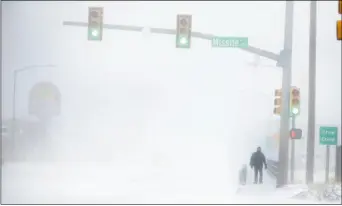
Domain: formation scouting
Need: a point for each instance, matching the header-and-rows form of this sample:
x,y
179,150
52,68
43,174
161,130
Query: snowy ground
x,y
268,194
101,183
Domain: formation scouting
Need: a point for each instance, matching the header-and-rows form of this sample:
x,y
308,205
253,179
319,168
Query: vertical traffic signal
x,y
183,36
339,22
295,101
339,29
95,23
277,102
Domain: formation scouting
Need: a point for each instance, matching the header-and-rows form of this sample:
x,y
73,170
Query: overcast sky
x,y
221,79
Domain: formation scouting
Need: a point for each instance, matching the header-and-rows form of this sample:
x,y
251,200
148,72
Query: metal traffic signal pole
x,y
293,147
286,86
283,60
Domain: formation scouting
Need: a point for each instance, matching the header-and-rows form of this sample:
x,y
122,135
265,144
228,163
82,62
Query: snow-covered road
x,y
102,183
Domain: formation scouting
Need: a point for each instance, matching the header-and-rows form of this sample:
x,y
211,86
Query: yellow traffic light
x,y
339,30
340,6
295,101
277,102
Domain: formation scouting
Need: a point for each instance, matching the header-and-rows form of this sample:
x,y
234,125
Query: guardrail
x,y
272,168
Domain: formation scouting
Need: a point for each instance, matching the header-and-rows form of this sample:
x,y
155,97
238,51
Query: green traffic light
x,y
295,111
94,34
183,42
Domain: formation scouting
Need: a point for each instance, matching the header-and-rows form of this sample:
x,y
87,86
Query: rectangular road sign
x,y
230,42
328,135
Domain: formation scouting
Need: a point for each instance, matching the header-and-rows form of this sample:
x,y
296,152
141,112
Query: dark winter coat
x,y
258,160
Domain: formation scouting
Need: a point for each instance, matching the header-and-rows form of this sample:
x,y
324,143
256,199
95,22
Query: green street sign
x,y
230,42
328,135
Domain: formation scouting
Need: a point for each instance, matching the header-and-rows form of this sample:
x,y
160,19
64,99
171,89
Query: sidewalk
x,y
267,193
268,185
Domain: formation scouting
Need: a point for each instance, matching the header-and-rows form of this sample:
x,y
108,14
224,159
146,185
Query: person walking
x,y
257,161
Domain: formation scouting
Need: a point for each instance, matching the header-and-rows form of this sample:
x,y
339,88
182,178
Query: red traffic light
x,y
296,133
94,14
295,92
183,22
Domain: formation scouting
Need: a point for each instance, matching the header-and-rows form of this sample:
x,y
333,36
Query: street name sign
x,y
229,42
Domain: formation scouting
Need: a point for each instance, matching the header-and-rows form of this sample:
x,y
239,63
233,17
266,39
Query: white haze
x,y
140,117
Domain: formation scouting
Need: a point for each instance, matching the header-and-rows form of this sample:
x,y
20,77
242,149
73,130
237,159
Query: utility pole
x,y
310,155
286,86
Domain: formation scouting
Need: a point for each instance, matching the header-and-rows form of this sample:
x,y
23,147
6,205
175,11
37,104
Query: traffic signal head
x,y
277,92
296,133
295,101
277,102
95,23
339,29
183,36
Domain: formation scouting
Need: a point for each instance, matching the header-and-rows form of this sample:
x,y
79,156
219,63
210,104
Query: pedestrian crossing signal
x,y
296,133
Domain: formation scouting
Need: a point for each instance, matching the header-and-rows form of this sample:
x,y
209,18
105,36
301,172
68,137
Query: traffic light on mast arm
x,y
183,35
277,102
295,101
95,23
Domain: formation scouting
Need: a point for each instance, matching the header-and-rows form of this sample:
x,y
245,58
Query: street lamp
x,y
16,72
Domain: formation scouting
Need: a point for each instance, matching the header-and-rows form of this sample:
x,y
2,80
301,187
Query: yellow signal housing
x,y
339,29
295,101
339,22
277,102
